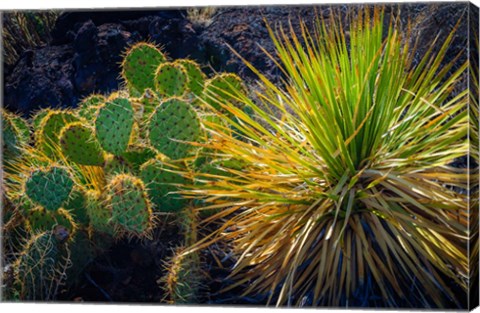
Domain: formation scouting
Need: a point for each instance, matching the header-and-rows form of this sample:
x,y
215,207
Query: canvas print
x,y
319,156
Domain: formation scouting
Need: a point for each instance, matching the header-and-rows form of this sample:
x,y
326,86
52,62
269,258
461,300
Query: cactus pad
x,y
76,205
50,187
139,65
183,279
11,138
89,106
22,127
98,214
131,211
173,124
38,118
38,267
149,102
136,155
39,219
80,145
82,252
196,78
114,125
171,80
116,165
162,185
222,89
49,131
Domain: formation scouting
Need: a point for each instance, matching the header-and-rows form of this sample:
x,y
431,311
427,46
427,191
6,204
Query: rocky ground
x,y
86,49
84,57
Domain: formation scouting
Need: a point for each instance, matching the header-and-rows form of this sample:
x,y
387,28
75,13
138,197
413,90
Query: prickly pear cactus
x,y
37,119
79,144
66,226
82,252
139,65
148,102
39,219
196,78
172,126
114,124
60,222
162,185
128,201
98,213
89,106
76,206
138,154
116,165
171,80
183,279
22,126
39,268
11,138
221,89
49,187
47,137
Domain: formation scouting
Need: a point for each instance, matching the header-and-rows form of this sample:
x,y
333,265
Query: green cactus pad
x,y
173,124
39,219
76,205
183,279
49,187
136,155
89,106
149,102
131,211
222,89
171,80
79,145
98,213
38,267
162,186
81,253
22,127
116,165
196,78
11,138
139,65
114,125
47,138
64,219
38,118
23,204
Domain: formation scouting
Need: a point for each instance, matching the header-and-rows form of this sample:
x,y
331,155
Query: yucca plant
x,y
346,196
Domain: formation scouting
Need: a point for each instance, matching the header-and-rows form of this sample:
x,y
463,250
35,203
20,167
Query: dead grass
x,y
25,30
201,16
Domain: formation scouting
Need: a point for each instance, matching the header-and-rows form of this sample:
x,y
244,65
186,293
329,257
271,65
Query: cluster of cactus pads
x,y
78,179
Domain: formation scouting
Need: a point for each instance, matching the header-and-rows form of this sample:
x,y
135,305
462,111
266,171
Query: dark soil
x,y
84,57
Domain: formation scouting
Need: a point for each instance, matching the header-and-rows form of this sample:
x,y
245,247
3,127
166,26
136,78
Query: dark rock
x,y
87,46
60,76
244,30
97,62
41,79
70,21
178,38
